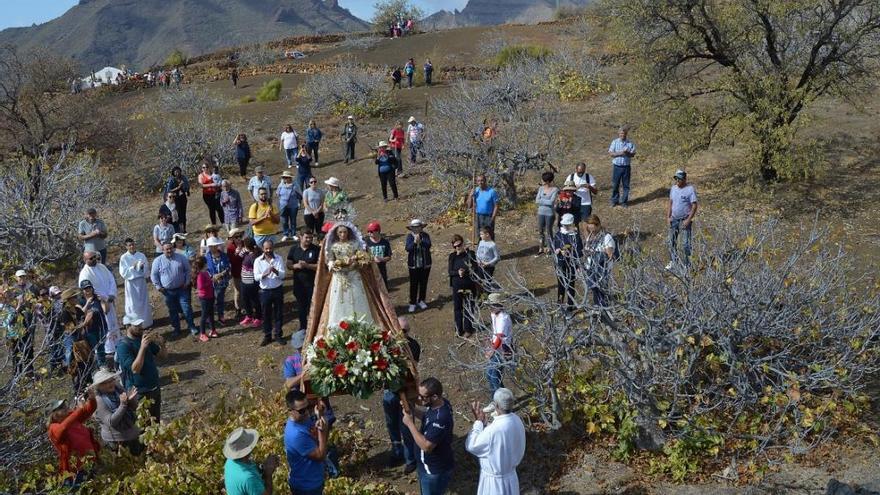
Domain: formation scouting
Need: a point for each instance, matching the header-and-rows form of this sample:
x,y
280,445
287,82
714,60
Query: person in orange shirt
x,y
209,180
71,437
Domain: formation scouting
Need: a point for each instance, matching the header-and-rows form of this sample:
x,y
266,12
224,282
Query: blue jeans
x,y
620,177
260,239
288,219
180,301
675,228
402,443
485,221
289,154
493,371
433,484
587,210
207,322
220,302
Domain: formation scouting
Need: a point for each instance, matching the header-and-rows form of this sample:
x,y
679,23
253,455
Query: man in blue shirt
x,y
170,276
434,438
136,355
621,150
305,444
484,201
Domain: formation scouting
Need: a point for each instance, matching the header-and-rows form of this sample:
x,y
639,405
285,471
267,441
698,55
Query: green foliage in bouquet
x,y
358,358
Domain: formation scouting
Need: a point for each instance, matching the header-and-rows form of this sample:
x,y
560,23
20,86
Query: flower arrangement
x,y
356,357
358,259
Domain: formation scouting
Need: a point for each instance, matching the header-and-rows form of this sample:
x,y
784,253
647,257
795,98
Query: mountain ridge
x,y
139,34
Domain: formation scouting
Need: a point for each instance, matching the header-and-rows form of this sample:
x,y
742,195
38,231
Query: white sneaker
x,y
316,164
669,266
295,238
284,238
423,305
412,308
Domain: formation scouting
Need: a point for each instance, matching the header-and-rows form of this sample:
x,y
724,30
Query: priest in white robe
x,y
104,282
133,268
499,446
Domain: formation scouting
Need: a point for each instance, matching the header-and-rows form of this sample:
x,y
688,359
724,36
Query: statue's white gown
x,y
346,298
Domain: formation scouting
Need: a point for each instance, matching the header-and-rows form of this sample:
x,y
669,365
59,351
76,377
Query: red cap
x,y
374,227
326,227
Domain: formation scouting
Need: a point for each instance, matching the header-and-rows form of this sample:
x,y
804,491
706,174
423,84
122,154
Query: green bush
x,y
512,53
176,58
270,91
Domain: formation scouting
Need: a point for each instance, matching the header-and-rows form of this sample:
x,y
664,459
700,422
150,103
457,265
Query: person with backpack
x,y
410,70
586,188
600,251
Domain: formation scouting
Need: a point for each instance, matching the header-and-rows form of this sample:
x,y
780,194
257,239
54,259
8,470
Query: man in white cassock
x,y
105,288
499,446
133,268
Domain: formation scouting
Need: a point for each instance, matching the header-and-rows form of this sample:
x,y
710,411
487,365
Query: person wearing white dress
x,y
499,446
104,283
347,298
133,270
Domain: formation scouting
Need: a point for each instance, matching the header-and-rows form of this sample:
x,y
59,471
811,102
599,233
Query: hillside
x,y
494,12
138,34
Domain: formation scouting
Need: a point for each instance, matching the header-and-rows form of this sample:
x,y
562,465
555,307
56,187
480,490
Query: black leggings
x,y
314,222
418,284
180,203
250,299
461,302
242,166
214,208
388,178
313,150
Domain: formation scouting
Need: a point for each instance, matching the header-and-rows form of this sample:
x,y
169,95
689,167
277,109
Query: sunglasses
x,y
313,182
303,410
456,246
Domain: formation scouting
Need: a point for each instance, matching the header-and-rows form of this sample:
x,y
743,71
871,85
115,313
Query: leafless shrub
x,y
356,42
764,342
348,89
258,55
186,131
44,198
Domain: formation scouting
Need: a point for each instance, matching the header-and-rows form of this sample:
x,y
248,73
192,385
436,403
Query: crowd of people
x,y
112,366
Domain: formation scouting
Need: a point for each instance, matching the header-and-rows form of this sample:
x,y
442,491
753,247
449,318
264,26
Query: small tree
x,y
175,59
387,12
752,65
348,88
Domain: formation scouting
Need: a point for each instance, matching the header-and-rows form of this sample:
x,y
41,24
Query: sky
x,y
26,12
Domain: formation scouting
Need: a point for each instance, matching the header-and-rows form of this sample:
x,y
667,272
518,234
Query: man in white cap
x,y
500,348
104,284
349,138
415,136
680,213
499,446
133,270
241,475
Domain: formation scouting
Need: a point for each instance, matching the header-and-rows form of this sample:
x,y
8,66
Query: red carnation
x,y
352,346
395,351
340,370
375,346
386,336
343,325
381,364
321,344
331,354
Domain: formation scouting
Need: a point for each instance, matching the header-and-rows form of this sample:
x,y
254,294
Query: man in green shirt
x,y
241,475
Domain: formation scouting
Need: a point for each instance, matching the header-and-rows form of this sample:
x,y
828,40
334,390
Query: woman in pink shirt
x,y
204,285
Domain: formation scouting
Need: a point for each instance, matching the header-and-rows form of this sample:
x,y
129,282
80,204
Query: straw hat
x,y
286,175
104,375
411,119
383,144
212,228
236,231
415,222
240,443
333,181
569,186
